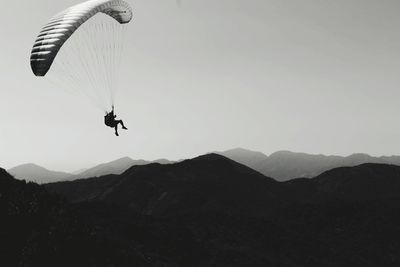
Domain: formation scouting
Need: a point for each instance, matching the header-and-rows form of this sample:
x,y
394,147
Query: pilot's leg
x,y
116,130
123,126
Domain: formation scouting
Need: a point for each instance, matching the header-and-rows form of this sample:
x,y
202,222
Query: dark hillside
x,y
363,182
206,183
40,229
212,211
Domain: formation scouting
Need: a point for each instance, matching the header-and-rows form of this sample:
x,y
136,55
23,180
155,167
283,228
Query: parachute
x,y
80,48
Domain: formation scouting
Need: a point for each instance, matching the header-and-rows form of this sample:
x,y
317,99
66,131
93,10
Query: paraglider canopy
x,y
57,31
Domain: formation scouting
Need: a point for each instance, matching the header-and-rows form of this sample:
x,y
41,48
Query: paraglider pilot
x,y
109,120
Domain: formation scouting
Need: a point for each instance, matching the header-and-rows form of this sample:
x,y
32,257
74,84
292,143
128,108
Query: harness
x,y
109,119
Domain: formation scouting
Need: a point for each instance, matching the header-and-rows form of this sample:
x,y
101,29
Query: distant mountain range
x,y
38,174
281,165
285,165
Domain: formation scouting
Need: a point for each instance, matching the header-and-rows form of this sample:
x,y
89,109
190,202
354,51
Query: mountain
x,y
227,214
285,165
35,173
181,187
115,167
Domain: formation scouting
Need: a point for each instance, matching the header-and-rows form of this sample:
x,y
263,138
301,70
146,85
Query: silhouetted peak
x,y
211,156
243,153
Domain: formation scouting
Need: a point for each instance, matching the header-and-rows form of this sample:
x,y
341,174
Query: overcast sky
x,y
303,75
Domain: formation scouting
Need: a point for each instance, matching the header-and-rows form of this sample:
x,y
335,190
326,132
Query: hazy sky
x,y
314,76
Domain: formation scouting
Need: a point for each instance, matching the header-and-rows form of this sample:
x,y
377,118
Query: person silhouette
x,y
110,121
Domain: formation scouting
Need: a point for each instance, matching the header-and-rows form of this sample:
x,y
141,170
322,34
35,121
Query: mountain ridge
x,y
284,165
198,180
35,173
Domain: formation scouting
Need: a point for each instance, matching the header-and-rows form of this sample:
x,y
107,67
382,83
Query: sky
x,y
309,76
